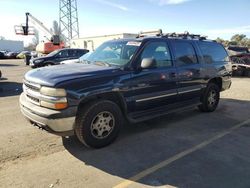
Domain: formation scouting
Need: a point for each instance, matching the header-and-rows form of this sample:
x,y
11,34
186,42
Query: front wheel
x,y
210,98
98,123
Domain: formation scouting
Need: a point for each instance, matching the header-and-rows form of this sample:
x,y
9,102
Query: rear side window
x,y
213,52
159,51
81,52
184,53
73,53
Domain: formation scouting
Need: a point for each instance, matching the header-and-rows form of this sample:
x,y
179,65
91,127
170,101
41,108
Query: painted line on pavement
x,y
178,156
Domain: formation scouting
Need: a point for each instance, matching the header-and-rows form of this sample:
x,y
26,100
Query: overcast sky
x,y
220,18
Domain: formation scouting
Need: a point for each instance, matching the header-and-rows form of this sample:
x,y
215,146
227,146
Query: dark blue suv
x,y
126,80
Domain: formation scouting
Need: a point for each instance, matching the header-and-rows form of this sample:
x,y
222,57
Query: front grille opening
x,y
33,99
31,87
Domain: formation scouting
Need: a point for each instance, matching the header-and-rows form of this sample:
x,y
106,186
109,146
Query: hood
x,y
51,76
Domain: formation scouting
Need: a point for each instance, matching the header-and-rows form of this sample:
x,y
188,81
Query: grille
x,y
32,92
31,86
33,99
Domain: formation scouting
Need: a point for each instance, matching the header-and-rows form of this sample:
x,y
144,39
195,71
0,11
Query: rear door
x,y
155,87
189,70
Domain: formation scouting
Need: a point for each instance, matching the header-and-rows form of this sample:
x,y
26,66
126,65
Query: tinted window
x,y
184,53
160,52
63,53
81,52
213,52
73,53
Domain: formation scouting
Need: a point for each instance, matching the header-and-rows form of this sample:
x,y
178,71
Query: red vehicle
x,y
53,40
48,47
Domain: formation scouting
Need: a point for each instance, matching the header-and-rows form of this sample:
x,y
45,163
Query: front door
x,y
152,88
62,56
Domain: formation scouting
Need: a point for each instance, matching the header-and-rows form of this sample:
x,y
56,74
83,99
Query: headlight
x,y
54,98
54,92
54,105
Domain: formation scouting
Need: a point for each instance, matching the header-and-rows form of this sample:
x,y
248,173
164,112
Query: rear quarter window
x,y
213,52
184,53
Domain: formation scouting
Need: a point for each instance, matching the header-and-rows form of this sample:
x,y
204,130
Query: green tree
x,y
238,38
222,41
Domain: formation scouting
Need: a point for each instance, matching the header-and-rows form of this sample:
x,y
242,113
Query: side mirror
x,y
148,63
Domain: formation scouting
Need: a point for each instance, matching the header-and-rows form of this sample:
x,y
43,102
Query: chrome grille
x,y
32,92
32,86
36,100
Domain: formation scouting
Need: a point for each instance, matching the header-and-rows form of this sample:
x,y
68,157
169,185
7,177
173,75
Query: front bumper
x,y
56,122
226,83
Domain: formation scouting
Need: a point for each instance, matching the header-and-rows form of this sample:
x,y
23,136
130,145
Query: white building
x,y
91,43
11,45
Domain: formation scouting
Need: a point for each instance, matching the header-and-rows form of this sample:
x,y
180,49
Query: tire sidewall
x,y
94,110
210,88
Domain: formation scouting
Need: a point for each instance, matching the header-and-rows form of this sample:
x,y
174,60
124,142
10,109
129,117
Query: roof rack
x,y
185,35
159,33
150,33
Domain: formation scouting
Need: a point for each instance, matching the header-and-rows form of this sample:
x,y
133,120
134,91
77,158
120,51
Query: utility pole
x,y
69,26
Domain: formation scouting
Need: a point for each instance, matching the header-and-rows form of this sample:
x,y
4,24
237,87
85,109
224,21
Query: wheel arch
x,y
115,97
217,81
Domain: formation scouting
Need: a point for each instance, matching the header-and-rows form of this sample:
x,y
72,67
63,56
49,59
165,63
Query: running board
x,y
161,111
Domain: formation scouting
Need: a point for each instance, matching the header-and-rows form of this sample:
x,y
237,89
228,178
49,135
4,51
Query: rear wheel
x,y
98,123
210,98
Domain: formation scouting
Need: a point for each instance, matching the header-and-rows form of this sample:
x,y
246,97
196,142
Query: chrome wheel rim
x,y
212,98
102,125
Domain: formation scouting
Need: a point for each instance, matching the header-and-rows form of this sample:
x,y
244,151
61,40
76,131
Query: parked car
x,y
235,50
126,79
241,65
0,74
79,60
2,55
23,54
240,57
11,55
57,56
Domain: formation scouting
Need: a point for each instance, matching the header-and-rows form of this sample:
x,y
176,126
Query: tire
x,y
210,98
98,123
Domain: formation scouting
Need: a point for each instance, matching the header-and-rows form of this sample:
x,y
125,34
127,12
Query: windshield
x,y
53,53
116,53
83,58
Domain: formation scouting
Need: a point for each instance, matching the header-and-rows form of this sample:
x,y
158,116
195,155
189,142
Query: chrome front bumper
x,y
50,120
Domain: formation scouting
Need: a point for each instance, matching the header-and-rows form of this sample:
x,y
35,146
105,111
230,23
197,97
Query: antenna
x,y
68,15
